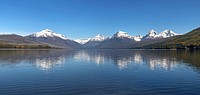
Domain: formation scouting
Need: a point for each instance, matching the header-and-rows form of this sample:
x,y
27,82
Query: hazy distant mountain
x,y
51,38
189,40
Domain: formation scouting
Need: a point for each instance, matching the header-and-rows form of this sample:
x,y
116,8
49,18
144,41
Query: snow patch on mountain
x,y
98,38
82,41
137,38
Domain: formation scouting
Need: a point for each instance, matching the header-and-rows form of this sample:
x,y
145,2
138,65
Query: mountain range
x,y
166,39
123,40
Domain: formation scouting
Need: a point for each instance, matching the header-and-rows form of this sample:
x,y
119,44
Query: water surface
x,y
99,72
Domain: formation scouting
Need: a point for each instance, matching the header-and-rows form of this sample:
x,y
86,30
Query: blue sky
x,y
87,18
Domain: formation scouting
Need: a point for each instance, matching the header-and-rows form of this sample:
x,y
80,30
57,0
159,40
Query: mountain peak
x,y
98,38
121,34
152,33
167,33
47,30
48,33
99,35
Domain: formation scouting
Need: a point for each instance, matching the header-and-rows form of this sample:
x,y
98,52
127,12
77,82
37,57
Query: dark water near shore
x,y
99,72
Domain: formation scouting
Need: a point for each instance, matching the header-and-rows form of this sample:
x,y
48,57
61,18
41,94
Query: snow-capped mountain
x,y
98,38
51,38
152,34
167,33
121,34
48,33
95,41
119,40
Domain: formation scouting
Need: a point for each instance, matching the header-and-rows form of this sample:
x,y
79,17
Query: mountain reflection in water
x,y
154,59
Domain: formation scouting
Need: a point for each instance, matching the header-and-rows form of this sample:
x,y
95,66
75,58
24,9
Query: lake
x,y
99,72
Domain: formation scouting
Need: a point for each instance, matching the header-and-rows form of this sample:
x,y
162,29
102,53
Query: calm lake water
x,y
99,72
